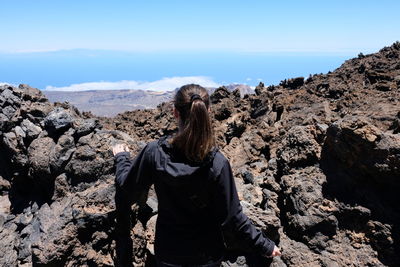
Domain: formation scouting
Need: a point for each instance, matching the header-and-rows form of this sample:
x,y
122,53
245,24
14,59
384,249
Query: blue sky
x,y
38,32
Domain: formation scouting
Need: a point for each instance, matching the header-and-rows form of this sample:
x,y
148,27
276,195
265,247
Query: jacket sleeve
x,y
132,182
233,220
134,174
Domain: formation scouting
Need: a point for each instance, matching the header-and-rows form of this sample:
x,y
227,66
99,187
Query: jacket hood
x,y
174,163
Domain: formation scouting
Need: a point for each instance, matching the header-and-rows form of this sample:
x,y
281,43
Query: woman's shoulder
x,y
158,145
220,158
148,149
219,162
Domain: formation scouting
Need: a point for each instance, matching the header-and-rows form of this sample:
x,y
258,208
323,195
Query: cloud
x,y
165,84
3,83
29,51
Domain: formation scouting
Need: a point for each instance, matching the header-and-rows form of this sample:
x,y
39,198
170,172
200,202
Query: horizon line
x,y
183,51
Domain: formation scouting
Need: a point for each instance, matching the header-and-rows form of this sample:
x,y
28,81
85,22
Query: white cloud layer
x,y
165,84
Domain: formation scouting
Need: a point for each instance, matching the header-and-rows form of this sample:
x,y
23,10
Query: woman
x,y
195,188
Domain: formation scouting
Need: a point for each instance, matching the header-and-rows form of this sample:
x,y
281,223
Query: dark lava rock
x,y
293,83
31,130
260,88
299,148
307,212
219,94
316,168
58,120
31,94
39,157
61,153
84,127
259,107
317,178
224,111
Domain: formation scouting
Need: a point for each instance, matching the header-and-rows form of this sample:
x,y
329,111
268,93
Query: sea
x,y
63,68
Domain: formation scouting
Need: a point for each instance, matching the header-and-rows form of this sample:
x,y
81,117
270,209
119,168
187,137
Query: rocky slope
x,y
109,102
316,162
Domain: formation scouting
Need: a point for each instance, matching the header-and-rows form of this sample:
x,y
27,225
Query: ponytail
x,y
195,138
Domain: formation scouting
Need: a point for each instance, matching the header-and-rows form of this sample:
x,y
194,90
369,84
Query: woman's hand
x,y
275,252
119,148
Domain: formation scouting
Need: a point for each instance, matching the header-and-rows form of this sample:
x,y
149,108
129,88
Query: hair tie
x,y
195,97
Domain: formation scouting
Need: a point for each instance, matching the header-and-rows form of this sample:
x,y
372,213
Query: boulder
x,y
31,94
58,121
299,148
15,150
307,212
219,94
259,107
61,153
31,130
85,126
39,158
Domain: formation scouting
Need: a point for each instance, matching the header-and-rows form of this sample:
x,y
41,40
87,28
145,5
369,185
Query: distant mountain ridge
x,y
109,103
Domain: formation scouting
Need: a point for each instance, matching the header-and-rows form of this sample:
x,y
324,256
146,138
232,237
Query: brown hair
x,y
195,138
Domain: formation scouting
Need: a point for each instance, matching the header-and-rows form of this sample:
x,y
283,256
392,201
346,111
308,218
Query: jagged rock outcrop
x,y
57,184
316,163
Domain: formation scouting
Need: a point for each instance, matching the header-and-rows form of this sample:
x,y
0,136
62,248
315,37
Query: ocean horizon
x,y
106,69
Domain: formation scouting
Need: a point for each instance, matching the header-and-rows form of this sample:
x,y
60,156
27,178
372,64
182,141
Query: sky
x,y
89,44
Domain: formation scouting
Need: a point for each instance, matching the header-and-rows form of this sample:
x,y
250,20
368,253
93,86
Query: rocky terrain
x,y
316,162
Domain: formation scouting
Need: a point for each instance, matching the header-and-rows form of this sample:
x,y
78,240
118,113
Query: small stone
x,y
32,131
19,132
5,205
9,112
248,177
4,184
61,187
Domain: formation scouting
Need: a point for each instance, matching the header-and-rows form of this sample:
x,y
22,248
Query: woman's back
x,y
187,228
195,188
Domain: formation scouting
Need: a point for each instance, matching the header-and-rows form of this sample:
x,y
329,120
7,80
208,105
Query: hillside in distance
x,y
316,163
109,103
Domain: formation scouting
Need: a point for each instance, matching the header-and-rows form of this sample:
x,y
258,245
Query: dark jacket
x,y
195,201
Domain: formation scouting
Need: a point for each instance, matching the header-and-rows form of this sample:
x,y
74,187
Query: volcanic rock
x,y
58,120
316,163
